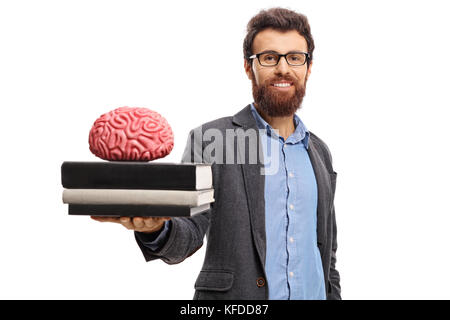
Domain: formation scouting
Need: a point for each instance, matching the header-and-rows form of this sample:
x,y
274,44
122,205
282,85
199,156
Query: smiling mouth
x,y
282,84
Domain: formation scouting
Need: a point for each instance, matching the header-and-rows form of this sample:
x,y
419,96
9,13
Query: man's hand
x,y
140,224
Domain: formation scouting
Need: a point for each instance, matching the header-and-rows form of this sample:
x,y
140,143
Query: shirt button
x,y
291,274
291,207
291,174
291,240
260,282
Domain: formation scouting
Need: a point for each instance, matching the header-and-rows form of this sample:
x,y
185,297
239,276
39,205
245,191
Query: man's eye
x,y
296,58
269,57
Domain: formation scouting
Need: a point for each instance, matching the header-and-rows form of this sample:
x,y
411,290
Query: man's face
x,y
272,100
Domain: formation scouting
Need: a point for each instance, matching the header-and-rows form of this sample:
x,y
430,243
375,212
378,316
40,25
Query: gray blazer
x,y
235,225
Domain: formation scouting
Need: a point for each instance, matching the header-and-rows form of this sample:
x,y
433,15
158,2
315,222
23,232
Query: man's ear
x,y
248,68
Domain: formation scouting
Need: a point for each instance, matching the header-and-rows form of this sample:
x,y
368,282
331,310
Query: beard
x,y
275,103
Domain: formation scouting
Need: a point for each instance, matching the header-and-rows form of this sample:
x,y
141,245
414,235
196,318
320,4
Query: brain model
x,y
131,134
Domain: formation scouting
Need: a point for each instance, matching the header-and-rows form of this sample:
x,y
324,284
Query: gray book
x,y
142,197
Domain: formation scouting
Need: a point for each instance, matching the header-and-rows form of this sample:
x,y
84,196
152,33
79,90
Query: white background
x,y
377,96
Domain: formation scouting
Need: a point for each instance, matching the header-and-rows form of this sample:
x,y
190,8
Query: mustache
x,y
271,81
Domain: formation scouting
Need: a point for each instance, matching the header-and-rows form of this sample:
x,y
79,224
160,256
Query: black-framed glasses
x,y
271,58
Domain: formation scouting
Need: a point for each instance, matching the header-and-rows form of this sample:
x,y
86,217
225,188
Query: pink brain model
x,y
131,134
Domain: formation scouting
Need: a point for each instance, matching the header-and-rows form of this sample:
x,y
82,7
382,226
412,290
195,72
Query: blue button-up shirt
x,y
293,264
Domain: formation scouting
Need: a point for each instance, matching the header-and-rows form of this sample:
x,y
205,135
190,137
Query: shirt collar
x,y
301,133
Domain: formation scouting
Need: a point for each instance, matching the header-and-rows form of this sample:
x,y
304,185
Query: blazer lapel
x,y
323,190
254,182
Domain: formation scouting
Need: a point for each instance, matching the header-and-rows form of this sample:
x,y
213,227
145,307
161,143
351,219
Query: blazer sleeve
x,y
186,233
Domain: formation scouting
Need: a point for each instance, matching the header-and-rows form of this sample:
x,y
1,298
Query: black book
x,y
136,175
127,210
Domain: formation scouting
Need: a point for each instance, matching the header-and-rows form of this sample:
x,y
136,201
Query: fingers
x,y
149,222
105,219
127,223
154,223
142,224
138,222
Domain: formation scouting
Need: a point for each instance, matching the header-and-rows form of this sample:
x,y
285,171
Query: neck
x,y
284,125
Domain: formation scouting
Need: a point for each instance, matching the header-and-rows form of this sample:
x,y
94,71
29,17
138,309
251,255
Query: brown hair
x,y
279,19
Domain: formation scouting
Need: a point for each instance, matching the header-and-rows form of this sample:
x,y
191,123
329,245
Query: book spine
x,y
120,176
129,210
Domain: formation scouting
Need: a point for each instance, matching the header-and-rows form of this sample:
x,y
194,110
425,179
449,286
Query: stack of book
x,y
137,188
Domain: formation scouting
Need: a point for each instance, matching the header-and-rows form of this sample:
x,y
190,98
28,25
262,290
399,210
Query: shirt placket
x,y
292,214
289,207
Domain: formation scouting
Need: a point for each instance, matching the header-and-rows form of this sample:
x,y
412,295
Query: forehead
x,y
280,41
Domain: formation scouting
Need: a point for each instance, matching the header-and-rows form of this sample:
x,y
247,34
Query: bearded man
x,y
269,236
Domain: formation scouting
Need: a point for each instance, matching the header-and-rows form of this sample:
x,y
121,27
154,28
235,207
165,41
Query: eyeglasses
x,y
271,58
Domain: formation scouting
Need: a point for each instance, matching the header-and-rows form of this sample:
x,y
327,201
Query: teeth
x,y
282,84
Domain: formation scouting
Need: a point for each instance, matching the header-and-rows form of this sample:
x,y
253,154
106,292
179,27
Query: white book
x,y
130,196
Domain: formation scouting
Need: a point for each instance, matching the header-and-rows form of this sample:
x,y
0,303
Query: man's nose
x,y
282,66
